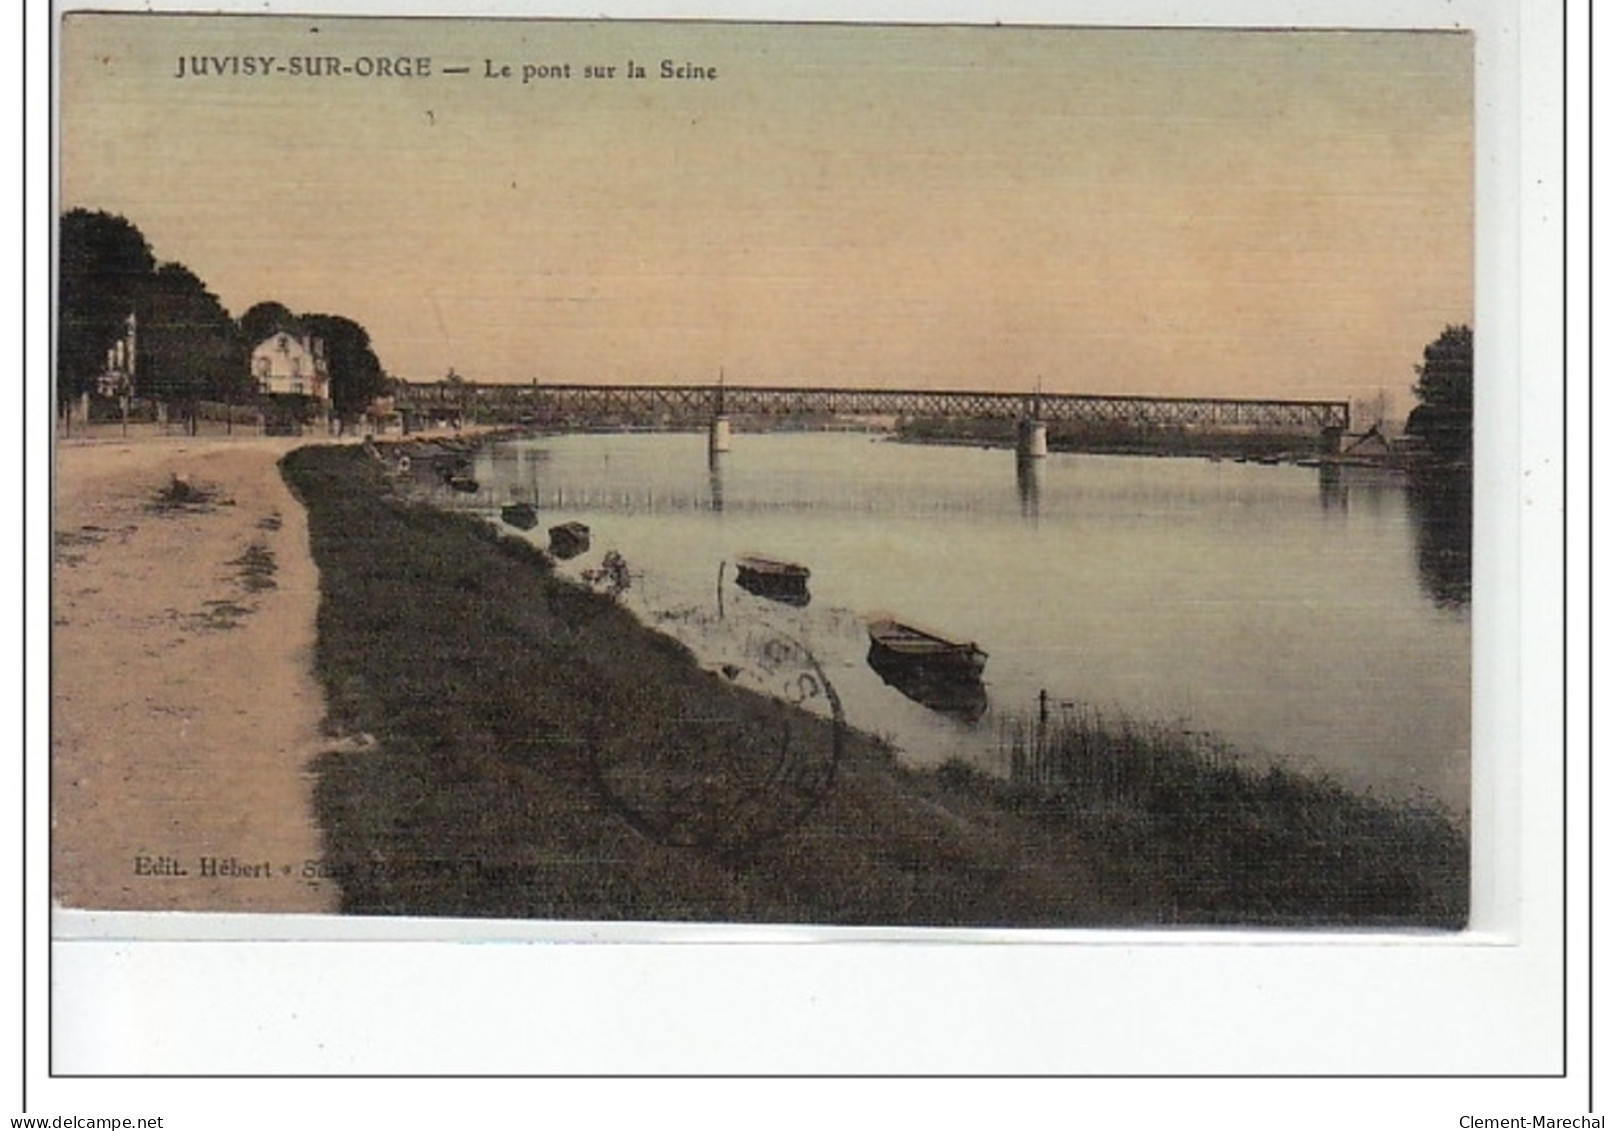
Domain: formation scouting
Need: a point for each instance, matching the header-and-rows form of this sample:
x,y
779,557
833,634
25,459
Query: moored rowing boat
x,y
930,667
906,642
569,539
774,578
523,516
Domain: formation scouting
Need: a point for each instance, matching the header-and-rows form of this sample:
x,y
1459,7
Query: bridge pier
x,y
1031,439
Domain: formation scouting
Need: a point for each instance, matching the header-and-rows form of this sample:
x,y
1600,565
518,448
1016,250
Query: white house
x,y
284,363
117,377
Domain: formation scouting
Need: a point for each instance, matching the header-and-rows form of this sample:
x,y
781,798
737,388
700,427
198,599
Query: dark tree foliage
x,y
188,347
263,319
1445,417
105,264
187,340
1440,486
356,374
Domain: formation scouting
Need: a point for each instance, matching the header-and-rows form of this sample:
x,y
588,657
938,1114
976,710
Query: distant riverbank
x,y
1116,439
527,749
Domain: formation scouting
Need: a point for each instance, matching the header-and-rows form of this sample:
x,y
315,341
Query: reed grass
x,y
1228,839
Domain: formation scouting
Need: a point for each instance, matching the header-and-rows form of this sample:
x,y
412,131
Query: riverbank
x,y
519,747
1117,440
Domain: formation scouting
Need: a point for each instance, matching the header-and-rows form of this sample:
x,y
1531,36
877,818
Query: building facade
x,y
285,364
117,378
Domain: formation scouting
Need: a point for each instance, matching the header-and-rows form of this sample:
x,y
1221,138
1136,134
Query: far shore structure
x,y
325,638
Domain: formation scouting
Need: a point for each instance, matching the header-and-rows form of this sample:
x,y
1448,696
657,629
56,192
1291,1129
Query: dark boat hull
x,y
520,515
949,685
569,539
907,642
934,670
773,578
784,588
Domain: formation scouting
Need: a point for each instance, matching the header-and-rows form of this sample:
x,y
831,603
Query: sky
x,y
1123,211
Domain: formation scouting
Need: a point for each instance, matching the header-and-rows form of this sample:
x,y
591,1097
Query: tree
x,y
187,340
104,266
356,373
1445,416
263,319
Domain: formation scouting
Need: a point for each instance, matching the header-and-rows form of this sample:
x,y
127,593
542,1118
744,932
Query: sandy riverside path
x,y
185,711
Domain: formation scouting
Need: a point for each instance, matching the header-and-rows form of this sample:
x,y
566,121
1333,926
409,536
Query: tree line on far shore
x,y
188,348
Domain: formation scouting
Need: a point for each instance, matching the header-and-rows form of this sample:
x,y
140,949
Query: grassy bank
x,y
1238,839
519,747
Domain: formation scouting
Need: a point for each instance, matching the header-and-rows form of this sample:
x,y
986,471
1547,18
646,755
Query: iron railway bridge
x,y
692,405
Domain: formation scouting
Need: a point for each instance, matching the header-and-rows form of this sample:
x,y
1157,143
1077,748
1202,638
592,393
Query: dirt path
x,y
184,705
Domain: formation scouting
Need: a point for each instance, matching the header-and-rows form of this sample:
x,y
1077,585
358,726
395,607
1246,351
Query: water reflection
x,y
715,479
1029,483
1439,503
1332,493
1166,588
1370,490
958,695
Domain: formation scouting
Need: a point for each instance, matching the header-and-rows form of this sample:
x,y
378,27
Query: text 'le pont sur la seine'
x,y
425,67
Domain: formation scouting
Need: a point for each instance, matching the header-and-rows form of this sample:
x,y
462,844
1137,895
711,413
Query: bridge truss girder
x,y
694,403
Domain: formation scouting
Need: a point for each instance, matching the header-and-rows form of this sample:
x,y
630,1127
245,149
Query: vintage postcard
x,y
828,475
714,482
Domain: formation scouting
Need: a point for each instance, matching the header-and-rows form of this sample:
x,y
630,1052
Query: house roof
x,y
272,339
1372,440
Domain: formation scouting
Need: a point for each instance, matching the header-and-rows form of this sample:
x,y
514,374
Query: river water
x,y
1296,613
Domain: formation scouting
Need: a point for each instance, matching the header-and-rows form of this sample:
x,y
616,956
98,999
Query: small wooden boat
x,y
569,539
935,670
523,516
901,642
774,578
